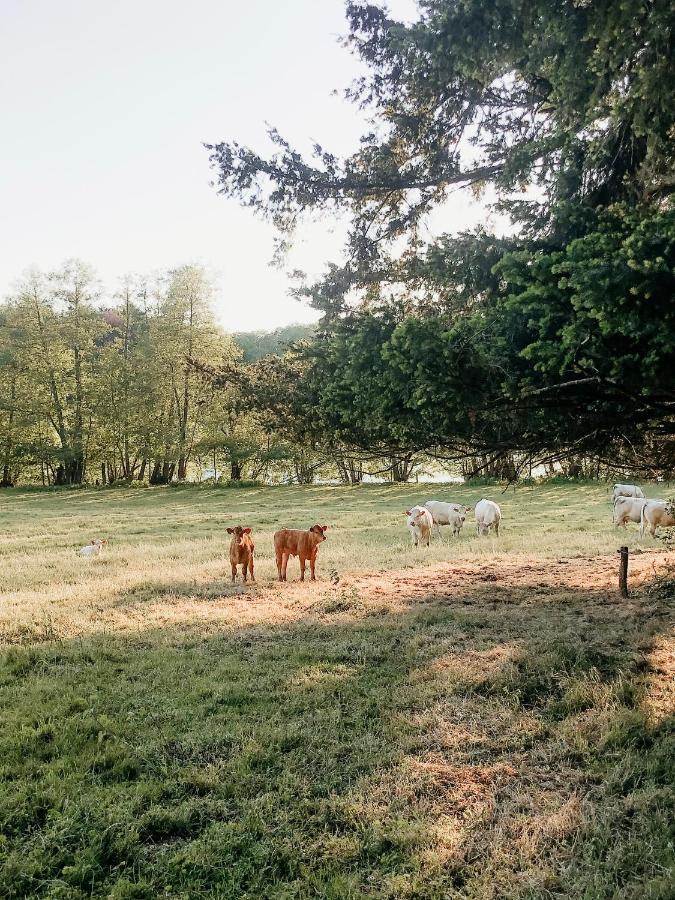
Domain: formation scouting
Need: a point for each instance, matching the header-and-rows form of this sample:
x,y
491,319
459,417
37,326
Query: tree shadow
x,y
485,748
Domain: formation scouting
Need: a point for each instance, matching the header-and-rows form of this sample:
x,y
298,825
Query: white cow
x,y
655,513
488,515
627,509
94,548
627,490
420,523
447,514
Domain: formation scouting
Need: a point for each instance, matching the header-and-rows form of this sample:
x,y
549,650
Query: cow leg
x,y
284,566
234,573
250,569
303,563
438,530
496,529
244,570
312,564
279,563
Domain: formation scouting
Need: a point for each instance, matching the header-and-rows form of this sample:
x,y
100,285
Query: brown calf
x,y
241,551
305,544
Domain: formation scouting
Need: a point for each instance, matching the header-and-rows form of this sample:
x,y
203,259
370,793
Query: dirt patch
x,y
457,579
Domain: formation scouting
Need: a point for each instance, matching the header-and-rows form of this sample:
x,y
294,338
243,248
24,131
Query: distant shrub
x,y
241,484
481,480
210,483
567,479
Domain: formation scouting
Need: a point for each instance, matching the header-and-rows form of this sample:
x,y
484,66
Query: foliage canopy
x,y
558,339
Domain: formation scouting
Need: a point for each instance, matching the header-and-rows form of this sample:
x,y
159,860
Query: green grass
x,y
165,735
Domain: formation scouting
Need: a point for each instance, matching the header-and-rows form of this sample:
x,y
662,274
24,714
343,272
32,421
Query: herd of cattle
x,y
631,505
422,519
305,544
629,502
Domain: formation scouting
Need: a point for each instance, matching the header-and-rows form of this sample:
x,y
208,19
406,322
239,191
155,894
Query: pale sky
x,y
104,107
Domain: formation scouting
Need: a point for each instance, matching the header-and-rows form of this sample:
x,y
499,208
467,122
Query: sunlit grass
x,y
168,542
401,729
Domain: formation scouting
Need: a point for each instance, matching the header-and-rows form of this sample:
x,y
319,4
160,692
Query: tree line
x,y
98,388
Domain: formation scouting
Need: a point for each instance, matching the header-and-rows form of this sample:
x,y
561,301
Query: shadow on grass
x,y
161,591
491,749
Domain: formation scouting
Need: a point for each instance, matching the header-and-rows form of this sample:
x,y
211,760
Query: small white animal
x,y
447,514
626,490
420,523
94,548
488,515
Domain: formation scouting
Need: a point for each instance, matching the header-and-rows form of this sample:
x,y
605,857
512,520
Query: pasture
x,y
485,718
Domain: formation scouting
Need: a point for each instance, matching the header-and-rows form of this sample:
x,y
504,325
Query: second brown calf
x,y
305,544
242,549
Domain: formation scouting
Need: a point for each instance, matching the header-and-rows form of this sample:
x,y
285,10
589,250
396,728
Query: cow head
x,y
319,530
415,514
238,533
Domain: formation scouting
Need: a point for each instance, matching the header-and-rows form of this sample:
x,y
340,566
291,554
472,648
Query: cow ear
x,y
229,531
323,527
407,512
247,530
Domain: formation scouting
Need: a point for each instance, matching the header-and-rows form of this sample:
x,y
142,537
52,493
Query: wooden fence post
x,y
623,572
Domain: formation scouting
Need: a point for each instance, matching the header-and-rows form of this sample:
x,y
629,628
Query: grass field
x,y
485,718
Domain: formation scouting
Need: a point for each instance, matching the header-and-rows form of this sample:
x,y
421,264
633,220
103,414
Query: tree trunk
x,y
401,469
7,480
77,469
235,470
162,472
141,474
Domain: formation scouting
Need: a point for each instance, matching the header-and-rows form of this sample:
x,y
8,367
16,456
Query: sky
x,y
105,108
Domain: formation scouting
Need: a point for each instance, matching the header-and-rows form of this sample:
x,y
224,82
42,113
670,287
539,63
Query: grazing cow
x,y
627,509
447,514
420,523
93,549
488,515
305,544
655,513
242,549
627,490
